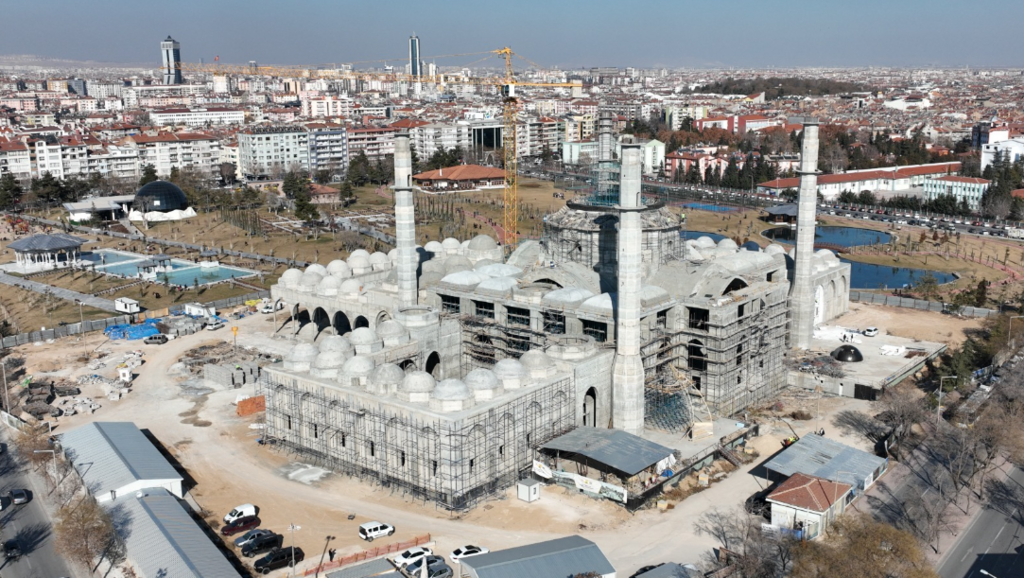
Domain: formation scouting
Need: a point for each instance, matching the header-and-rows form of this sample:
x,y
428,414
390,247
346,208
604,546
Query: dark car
x,y
262,544
251,535
240,525
158,339
278,559
19,496
12,549
431,561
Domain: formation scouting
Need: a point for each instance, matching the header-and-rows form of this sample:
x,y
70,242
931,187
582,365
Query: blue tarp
x,y
133,332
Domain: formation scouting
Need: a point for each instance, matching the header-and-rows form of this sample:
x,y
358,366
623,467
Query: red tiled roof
x,y
408,123
857,177
809,492
461,173
1019,193
968,180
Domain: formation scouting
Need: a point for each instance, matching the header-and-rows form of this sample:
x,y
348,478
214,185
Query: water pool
x,y
839,236
868,276
182,272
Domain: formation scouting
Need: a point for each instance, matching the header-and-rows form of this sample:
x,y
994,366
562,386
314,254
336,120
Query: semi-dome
x,y
481,243
451,390
497,284
847,353
290,279
317,268
335,343
418,382
328,286
433,247
500,270
338,268
160,196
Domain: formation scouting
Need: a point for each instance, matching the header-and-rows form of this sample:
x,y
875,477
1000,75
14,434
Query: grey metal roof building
x,y
44,243
614,448
559,558
115,458
163,541
819,456
379,567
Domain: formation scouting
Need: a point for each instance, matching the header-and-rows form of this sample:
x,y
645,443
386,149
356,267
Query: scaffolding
x,y
587,234
453,463
485,341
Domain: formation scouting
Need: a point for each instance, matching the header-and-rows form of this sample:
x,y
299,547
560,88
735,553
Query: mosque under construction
x,y
441,369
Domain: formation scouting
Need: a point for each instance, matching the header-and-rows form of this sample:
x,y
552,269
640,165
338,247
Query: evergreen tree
x,y
47,189
11,192
148,175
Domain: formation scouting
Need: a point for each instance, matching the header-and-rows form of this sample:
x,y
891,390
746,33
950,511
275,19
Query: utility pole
x,y
292,528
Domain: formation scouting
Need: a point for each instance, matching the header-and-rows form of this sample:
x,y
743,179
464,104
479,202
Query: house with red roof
x,y
460,178
808,504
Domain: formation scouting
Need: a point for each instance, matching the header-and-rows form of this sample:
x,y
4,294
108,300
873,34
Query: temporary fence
x,y
919,304
368,555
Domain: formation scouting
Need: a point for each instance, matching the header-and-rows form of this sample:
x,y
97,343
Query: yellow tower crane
x,y
510,110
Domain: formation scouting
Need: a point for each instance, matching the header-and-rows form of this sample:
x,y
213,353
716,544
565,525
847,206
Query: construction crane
x,y
510,110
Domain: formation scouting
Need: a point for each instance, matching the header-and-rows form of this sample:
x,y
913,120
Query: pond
x,y
867,276
840,236
182,272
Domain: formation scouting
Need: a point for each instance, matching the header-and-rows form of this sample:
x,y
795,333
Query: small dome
x,y
291,278
357,366
457,263
509,368
329,360
847,353
482,379
362,336
484,263
317,268
359,263
497,284
393,255
328,286
535,359
463,279
705,242
451,244
774,249
350,287
360,253
303,352
379,258
335,343
728,243
339,268
391,328
309,281
433,247
387,375
451,390
500,270
160,196
482,243
418,382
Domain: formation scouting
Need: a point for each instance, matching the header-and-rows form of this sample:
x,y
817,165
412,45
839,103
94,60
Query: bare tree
x,y
84,531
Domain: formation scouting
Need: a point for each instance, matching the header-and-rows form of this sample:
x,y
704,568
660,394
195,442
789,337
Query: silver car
x,y
251,535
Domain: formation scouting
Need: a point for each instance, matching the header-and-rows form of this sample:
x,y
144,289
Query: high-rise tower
x,y
628,369
415,63
801,293
405,224
171,52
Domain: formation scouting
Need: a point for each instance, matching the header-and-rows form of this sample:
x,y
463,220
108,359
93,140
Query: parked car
x,y
242,511
371,530
240,525
442,571
411,556
19,496
467,551
431,562
870,332
262,544
251,535
215,326
158,339
278,559
12,549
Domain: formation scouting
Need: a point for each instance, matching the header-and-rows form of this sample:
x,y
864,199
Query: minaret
x,y
628,369
405,224
801,292
605,139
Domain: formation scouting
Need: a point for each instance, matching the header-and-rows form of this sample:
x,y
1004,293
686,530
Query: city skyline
x,y
793,33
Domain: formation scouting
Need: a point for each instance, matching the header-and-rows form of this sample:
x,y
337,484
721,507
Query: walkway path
x,y
42,288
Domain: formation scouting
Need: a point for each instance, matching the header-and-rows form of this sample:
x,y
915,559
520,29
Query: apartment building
x,y
328,147
271,150
166,151
15,159
969,189
326,107
374,142
196,116
430,138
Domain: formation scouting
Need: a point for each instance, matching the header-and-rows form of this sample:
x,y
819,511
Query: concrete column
x,y
628,369
801,292
405,224
605,140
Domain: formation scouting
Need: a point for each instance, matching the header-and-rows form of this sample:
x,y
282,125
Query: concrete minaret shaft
x,y
801,294
405,224
605,139
628,369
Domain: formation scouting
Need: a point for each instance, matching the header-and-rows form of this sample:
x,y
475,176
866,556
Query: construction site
x,y
441,369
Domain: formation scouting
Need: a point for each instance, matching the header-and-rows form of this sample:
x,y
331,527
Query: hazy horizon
x,y
673,34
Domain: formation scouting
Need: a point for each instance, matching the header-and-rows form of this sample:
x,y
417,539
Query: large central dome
x,y
160,196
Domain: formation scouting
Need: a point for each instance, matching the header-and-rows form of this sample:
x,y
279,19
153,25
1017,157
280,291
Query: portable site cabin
x,y
200,310
126,305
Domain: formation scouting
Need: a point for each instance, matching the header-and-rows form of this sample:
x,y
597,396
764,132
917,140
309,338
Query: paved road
x,y
91,301
30,524
994,541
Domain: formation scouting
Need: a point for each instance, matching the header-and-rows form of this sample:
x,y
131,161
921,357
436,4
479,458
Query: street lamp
x,y
938,406
292,528
327,543
987,573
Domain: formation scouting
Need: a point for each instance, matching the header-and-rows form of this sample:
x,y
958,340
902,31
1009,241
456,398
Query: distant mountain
x,y
32,60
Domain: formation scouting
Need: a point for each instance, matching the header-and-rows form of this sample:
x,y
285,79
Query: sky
x,y
565,33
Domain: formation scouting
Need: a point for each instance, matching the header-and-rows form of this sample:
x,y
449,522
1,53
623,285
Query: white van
x,y
240,512
371,530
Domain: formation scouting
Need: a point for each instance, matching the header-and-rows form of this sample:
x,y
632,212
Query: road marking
x,y
969,550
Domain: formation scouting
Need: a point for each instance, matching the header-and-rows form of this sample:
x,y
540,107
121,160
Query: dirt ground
x,y
923,325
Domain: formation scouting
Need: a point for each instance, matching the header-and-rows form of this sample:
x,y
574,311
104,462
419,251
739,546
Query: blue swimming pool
x,y
710,207
182,272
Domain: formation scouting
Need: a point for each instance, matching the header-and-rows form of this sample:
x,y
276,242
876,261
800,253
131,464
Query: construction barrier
x,y
368,555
